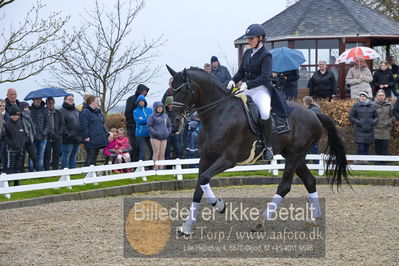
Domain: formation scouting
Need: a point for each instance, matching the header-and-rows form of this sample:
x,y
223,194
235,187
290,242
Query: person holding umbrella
x,y
255,72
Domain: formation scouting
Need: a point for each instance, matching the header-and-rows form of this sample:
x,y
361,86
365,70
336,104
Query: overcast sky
x,y
193,30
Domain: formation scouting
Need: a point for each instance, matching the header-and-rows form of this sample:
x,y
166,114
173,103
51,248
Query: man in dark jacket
x,y
54,139
131,123
15,138
11,100
43,125
71,135
291,85
174,140
220,72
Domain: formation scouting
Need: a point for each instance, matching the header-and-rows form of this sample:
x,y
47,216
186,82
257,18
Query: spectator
x,y
383,79
322,84
11,100
43,126
160,127
131,105
382,130
15,139
84,96
396,109
173,145
192,131
391,62
54,139
141,114
314,107
110,152
208,68
29,129
291,85
359,78
168,92
364,117
332,68
95,136
220,72
2,143
122,147
71,135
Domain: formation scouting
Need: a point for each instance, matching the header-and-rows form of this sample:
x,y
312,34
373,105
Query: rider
x,y
255,72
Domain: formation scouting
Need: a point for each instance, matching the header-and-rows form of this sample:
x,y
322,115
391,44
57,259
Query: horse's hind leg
x,y
284,187
310,183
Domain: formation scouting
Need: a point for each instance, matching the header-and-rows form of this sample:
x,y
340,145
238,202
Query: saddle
x,y
253,115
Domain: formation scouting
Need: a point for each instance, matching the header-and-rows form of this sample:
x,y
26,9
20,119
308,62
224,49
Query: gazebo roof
x,y
327,18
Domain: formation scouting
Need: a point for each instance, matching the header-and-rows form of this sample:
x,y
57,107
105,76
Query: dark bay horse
x,y
227,140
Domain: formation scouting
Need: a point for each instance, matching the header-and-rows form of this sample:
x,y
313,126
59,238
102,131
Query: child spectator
x,y
193,128
314,107
15,138
109,151
141,114
122,147
160,128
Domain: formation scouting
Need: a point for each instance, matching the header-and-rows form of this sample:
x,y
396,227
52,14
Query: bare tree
x,y
105,60
386,7
33,45
5,2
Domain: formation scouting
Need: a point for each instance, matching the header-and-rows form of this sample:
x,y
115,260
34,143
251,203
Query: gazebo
x,y
323,29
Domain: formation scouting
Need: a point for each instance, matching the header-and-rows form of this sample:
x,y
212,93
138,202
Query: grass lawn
x,y
49,192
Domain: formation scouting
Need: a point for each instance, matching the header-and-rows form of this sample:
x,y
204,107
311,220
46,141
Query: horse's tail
x,y
336,166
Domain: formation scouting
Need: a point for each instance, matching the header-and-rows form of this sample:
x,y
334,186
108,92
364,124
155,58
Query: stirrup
x,y
268,154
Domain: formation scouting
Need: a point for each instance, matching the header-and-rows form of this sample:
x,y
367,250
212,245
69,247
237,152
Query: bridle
x,y
191,109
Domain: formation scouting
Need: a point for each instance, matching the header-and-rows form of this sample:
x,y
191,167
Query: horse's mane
x,y
209,78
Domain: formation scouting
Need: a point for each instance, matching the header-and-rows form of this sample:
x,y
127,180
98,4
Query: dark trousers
x,y
135,152
143,142
14,161
31,150
314,150
91,156
173,146
381,147
3,156
363,148
52,154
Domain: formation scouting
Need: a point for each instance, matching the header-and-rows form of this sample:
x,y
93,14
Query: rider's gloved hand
x,y
243,87
231,85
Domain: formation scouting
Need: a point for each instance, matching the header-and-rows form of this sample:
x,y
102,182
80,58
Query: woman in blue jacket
x,y
141,114
95,135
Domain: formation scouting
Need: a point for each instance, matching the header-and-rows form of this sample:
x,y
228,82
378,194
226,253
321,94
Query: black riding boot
x,y
282,125
267,138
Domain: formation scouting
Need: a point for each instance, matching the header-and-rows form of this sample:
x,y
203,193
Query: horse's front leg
x,y
207,169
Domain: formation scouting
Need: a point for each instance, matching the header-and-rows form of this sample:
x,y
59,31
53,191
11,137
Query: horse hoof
x,y
259,228
220,206
185,230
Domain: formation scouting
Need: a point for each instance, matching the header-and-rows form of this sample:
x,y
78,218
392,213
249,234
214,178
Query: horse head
x,y
184,96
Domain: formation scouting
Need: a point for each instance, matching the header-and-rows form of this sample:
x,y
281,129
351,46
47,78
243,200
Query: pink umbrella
x,y
349,55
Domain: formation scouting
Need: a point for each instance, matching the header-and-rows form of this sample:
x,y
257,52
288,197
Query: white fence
x,y
103,173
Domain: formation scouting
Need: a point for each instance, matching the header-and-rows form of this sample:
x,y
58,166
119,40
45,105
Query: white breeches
x,y
261,97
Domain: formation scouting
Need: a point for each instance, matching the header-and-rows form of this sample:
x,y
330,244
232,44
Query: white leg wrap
x,y
210,197
272,207
314,204
194,210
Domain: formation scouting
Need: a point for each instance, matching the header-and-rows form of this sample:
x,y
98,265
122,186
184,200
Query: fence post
x,y
92,173
178,168
275,170
141,169
321,164
4,184
66,177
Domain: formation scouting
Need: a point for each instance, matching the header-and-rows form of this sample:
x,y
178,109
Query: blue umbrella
x,y
46,92
286,59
